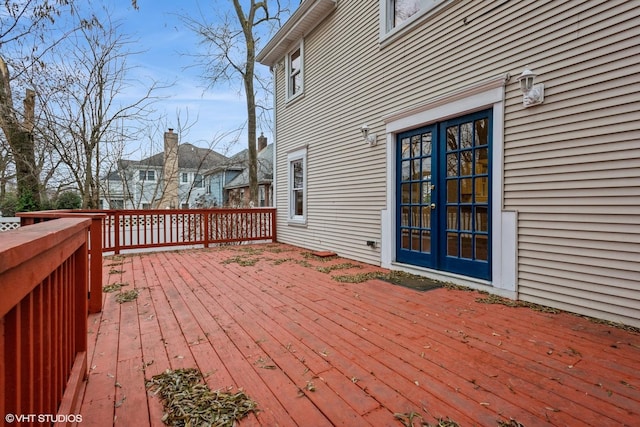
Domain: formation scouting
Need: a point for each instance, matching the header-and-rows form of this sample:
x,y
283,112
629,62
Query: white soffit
x,y
309,14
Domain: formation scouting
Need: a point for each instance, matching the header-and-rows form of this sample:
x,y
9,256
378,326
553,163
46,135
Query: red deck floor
x,y
370,349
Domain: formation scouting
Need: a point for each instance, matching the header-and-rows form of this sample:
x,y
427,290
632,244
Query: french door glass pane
x,y
452,191
452,244
452,138
466,135
465,218
426,144
452,164
426,241
404,219
482,219
406,170
466,245
405,148
482,247
405,239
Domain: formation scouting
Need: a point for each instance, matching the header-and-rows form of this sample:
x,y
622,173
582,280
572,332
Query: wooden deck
x,y
314,351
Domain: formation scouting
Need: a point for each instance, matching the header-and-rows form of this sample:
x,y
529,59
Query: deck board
x,y
311,350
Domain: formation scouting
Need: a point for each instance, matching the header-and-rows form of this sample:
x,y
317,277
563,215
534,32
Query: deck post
x,y
116,226
206,228
95,252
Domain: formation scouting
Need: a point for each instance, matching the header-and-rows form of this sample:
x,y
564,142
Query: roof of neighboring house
x,y
189,157
265,168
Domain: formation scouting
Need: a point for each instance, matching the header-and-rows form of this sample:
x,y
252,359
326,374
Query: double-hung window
x,y
399,13
198,181
295,74
297,162
147,175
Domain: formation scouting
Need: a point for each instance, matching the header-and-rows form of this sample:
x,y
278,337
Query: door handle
x,y
432,206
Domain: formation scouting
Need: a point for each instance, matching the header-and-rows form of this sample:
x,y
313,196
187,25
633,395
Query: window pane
x,y
466,190
295,62
482,160
404,221
482,247
426,168
426,217
415,216
405,239
465,218
151,175
482,131
405,193
415,169
426,144
415,240
482,218
426,241
406,170
452,138
415,193
298,207
466,135
403,10
415,146
452,217
143,175
452,164
405,148
298,174
452,191
466,161
466,248
296,84
452,244
426,193
482,189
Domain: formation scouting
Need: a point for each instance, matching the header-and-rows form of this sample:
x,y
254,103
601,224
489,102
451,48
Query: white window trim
x,y
287,67
486,94
300,154
388,32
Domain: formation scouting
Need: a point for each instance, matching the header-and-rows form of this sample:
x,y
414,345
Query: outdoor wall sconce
x,y
532,94
370,138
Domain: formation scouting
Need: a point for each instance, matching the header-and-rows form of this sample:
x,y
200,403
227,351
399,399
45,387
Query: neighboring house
x,y
459,174
237,190
216,179
143,184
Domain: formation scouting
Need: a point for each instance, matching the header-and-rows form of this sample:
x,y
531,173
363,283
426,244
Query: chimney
x,y
170,171
262,142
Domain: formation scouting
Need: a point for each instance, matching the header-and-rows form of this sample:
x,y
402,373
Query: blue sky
x,y
166,43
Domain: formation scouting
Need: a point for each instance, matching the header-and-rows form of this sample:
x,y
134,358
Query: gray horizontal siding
x,y
570,165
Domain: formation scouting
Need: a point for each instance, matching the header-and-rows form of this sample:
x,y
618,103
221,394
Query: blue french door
x,y
444,196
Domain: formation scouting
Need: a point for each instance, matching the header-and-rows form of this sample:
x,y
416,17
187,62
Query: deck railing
x,y
43,319
114,231
145,229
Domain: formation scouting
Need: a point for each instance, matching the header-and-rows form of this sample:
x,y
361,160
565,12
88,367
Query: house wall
x,y
570,165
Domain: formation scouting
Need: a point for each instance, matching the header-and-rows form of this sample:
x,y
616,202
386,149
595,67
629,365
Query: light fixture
x,y
532,93
370,138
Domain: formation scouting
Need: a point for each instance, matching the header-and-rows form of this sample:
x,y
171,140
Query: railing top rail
x,y
17,246
60,213
170,211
